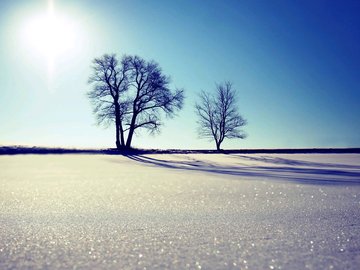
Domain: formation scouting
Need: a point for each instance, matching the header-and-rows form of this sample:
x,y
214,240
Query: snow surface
x,y
180,211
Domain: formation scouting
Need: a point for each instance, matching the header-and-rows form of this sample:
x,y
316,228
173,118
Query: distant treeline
x,y
16,150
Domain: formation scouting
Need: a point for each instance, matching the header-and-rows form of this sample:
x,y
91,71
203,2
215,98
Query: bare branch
x,y
151,95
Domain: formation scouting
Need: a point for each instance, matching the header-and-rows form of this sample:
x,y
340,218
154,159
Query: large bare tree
x,y
218,116
109,81
131,93
150,95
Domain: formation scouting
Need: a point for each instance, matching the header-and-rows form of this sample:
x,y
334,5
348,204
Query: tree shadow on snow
x,y
293,162
292,170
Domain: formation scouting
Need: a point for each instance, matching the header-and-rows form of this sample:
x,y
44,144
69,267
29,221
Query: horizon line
x,y
19,149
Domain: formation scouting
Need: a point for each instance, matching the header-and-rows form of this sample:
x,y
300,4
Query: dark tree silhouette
x,y
218,115
109,81
150,95
131,93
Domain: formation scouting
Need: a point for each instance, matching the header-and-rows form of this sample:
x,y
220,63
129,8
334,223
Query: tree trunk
x,y
118,145
131,131
117,126
218,146
121,134
129,138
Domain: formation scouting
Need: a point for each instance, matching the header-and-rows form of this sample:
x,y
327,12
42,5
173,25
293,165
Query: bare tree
x,y
151,95
109,81
132,93
218,115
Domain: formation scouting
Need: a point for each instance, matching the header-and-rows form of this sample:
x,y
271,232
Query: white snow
x,y
179,211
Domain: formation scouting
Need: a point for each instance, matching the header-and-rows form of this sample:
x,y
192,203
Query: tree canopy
x,y
132,93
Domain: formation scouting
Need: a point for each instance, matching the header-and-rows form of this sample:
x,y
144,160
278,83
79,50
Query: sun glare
x,y
50,34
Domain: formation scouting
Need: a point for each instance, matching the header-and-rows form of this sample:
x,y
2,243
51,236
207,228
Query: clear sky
x,y
295,64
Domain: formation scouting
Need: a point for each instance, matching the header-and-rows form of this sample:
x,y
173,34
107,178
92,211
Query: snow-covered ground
x,y
168,211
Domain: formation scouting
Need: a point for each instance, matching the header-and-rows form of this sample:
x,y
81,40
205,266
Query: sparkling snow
x,y
180,211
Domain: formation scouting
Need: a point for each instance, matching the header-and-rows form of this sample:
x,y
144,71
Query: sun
x,y
50,34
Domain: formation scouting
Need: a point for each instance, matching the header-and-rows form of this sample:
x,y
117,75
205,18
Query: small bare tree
x,y
218,115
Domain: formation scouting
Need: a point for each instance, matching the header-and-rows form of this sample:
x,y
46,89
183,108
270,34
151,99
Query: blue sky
x,y
295,64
